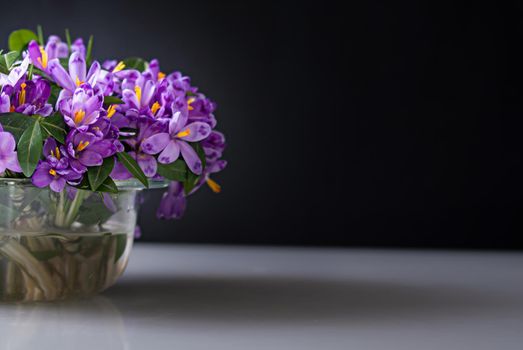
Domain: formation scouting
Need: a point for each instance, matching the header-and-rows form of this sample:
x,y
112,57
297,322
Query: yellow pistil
x,y
213,185
21,97
82,145
155,107
183,133
111,111
52,172
161,75
43,60
190,102
138,92
79,116
119,67
78,82
12,108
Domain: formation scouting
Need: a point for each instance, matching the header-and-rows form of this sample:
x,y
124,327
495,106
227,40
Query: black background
x,y
389,124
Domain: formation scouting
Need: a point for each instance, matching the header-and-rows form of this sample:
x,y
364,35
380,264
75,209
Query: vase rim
x,y
131,184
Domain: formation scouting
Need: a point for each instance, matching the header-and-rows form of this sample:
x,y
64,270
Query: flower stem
x,y
60,210
74,208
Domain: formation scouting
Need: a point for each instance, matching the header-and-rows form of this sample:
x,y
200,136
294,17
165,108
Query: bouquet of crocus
x,y
67,119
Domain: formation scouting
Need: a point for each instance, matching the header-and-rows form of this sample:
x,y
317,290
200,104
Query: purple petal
x,y
5,103
57,184
60,76
41,177
49,146
197,131
61,50
77,166
77,68
148,164
147,93
129,97
170,153
120,172
177,122
92,75
216,166
83,137
109,202
156,143
89,158
11,163
7,142
191,157
173,203
34,54
105,148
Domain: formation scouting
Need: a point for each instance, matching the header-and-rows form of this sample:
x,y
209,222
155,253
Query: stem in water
x,y
75,206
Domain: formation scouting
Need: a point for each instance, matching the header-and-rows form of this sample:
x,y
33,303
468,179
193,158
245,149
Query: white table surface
x,y
203,297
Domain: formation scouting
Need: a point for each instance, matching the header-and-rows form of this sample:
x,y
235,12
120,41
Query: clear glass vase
x,y
59,245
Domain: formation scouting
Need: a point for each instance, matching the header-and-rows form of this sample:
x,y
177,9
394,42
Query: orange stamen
x,y
190,102
82,145
155,107
119,67
111,111
21,97
213,185
183,133
79,116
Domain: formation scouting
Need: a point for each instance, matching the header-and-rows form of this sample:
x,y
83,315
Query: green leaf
x,y
68,38
54,126
108,186
19,39
192,178
133,167
84,185
135,63
121,243
40,33
30,148
176,171
16,123
89,49
7,60
97,175
93,213
112,100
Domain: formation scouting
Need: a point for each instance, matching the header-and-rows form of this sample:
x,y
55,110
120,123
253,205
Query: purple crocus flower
x,y
27,97
173,203
174,142
147,162
54,172
15,74
83,109
54,48
84,149
78,46
8,155
141,94
213,146
76,76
